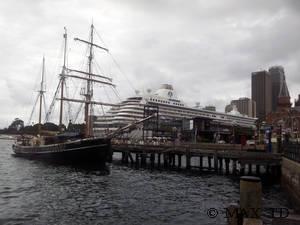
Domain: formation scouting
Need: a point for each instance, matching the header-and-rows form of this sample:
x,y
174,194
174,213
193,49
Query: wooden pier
x,y
220,158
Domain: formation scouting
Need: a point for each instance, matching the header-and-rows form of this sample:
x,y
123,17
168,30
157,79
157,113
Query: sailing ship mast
x,y
41,96
62,81
90,79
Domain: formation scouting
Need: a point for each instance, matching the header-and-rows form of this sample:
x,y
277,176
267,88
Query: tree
x,y
16,125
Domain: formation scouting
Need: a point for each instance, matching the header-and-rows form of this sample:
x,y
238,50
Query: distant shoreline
x,y
8,136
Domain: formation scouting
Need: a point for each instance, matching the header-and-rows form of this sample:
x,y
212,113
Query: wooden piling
x,y
188,160
173,160
201,163
130,158
152,160
227,166
143,159
179,161
158,160
216,162
234,166
209,162
221,165
126,158
136,160
242,169
250,169
257,169
165,157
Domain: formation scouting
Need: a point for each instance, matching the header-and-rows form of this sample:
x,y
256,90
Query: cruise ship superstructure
x,y
170,107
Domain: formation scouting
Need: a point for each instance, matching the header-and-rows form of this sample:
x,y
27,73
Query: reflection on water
x,y
35,192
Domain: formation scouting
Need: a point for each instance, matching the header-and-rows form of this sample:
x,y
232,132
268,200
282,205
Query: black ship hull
x,y
83,151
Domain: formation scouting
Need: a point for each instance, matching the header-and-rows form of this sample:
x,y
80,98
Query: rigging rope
x,y
116,63
33,109
48,114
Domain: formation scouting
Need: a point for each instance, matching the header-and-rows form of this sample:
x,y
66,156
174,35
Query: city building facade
x,y
261,93
245,106
278,81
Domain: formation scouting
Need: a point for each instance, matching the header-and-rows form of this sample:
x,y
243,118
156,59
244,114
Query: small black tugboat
x,y
72,148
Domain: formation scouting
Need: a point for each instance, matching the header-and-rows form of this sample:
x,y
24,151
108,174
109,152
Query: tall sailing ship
x,y
82,148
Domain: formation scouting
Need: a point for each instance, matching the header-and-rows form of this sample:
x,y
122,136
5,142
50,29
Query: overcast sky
x,y
205,49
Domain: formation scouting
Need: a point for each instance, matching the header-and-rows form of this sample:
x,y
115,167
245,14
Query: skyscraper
x,y
278,81
261,91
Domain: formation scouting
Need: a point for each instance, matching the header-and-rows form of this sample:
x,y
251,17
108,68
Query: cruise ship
x,y
170,107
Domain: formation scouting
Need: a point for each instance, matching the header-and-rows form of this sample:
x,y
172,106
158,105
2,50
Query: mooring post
x,y
250,197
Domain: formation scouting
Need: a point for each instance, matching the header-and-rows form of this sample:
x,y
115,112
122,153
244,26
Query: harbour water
x,y
35,192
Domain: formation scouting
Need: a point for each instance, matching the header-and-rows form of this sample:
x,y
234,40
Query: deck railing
x,y
292,151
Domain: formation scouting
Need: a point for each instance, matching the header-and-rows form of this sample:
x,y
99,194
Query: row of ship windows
x,y
210,115
162,101
192,113
207,115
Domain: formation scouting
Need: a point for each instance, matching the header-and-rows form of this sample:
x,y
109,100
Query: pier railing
x,y
292,151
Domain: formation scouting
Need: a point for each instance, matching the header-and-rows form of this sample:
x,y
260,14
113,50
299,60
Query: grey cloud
x,y
206,49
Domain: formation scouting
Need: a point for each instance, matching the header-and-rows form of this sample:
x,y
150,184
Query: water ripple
x,y
33,192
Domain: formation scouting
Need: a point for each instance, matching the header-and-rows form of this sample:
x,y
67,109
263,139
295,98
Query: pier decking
x,y
220,158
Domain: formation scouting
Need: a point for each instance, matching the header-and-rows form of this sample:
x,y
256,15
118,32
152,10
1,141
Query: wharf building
x,y
245,106
173,115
